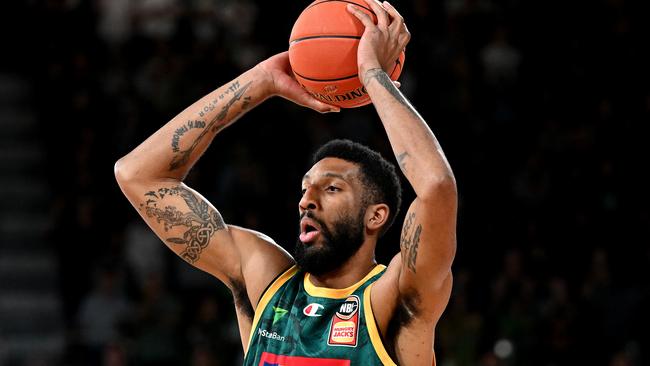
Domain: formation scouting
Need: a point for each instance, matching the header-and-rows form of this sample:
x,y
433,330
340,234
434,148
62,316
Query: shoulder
x,y
396,309
262,261
387,289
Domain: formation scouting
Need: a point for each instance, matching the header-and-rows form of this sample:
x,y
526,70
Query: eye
x,y
302,191
333,189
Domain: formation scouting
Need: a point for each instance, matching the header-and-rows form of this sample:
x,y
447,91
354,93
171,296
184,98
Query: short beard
x,y
338,245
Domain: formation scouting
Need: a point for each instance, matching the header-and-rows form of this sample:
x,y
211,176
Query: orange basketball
x,y
323,52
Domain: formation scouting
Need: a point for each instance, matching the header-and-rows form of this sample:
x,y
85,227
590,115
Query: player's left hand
x,y
278,72
381,43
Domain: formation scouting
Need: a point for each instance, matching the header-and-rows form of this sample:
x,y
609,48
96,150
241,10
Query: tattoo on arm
x,y
246,103
201,221
410,241
384,80
215,125
181,131
401,160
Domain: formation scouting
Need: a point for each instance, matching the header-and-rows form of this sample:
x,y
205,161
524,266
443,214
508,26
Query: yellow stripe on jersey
x,y
375,339
275,286
338,293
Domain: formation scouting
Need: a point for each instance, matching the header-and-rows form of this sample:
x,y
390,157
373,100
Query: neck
x,y
351,272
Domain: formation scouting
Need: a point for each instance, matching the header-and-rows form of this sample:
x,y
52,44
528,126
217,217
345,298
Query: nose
x,y
309,200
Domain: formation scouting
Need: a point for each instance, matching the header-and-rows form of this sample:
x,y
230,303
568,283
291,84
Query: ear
x,y
376,216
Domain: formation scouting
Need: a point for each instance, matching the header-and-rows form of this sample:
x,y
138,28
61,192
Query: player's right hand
x,y
278,70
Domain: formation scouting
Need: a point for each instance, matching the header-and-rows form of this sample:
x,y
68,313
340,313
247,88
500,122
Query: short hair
x,y
378,174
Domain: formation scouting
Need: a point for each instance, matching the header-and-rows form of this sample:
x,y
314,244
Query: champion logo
x,y
312,309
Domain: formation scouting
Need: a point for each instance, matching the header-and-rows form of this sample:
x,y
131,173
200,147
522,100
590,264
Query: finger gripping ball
x,y
323,52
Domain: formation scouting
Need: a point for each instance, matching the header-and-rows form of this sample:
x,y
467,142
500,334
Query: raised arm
x,y
151,178
428,240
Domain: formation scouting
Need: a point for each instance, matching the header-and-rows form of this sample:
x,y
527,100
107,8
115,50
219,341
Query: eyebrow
x,y
334,175
330,175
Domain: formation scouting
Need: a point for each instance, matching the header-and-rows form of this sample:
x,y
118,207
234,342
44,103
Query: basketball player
x,y
331,304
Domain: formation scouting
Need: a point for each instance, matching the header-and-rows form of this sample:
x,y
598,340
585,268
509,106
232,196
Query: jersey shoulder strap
x,y
267,296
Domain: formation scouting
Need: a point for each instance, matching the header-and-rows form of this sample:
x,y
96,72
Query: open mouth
x,y
309,230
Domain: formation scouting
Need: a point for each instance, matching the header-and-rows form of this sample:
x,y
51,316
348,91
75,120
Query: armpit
x,y
408,308
240,295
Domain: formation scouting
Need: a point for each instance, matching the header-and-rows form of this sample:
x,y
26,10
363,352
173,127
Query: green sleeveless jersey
x,y
299,324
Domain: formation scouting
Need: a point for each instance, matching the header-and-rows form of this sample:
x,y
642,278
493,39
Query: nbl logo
x,y
348,308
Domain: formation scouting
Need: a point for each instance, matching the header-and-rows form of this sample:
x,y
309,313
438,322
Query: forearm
x,y
172,151
416,148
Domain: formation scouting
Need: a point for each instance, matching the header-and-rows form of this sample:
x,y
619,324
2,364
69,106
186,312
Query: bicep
x,y
262,260
427,245
188,225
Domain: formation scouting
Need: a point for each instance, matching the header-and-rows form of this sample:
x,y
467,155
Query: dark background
x,y
543,109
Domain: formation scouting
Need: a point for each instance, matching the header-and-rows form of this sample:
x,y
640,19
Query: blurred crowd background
x,y
543,109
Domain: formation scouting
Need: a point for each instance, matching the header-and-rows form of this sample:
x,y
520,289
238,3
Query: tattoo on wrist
x,y
201,221
371,74
236,92
384,80
410,241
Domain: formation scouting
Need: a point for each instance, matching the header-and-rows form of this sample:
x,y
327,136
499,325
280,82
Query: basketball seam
x,y
397,63
323,36
337,79
342,1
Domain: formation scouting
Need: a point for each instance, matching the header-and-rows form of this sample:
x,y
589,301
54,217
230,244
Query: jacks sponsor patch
x,y
344,329
271,359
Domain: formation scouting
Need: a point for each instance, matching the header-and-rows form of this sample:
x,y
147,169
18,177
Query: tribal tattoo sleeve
x,y
199,220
